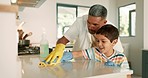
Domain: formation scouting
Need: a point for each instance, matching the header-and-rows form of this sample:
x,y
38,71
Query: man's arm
x,y
63,40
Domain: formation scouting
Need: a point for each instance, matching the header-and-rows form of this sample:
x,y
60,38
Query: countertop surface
x,y
78,69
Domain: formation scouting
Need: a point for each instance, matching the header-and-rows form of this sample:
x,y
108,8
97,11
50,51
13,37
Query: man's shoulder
x,y
81,21
109,22
84,17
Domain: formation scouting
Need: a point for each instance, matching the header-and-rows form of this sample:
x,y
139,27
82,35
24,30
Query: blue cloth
x,y
67,56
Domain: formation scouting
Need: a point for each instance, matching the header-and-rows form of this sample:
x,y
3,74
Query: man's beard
x,y
92,31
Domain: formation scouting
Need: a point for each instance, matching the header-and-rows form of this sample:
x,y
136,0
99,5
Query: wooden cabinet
x,y
144,63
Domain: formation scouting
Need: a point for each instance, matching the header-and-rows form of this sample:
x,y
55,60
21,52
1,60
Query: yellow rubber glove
x,y
54,57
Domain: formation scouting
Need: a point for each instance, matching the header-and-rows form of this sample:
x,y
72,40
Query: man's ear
x,y
115,41
105,21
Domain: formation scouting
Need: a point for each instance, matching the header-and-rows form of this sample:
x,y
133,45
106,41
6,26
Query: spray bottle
x,y
44,46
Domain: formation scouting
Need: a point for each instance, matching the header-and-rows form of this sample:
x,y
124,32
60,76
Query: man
x,y
82,30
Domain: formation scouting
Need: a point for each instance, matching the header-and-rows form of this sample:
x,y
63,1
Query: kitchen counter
x,y
78,69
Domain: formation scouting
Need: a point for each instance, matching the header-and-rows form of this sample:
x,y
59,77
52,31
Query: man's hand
x,y
55,56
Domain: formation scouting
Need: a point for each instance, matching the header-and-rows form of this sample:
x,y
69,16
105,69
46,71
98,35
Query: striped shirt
x,y
117,57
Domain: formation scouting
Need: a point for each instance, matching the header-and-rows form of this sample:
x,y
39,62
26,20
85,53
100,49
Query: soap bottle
x,y
44,46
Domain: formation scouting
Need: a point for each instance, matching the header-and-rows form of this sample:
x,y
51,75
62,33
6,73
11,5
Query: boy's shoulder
x,y
117,53
118,56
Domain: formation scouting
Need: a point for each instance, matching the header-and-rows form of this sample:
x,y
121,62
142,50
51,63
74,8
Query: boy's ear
x,y
115,41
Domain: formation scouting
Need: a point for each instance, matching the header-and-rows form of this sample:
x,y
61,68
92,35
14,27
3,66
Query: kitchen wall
x,y
7,2
145,41
135,43
45,16
37,18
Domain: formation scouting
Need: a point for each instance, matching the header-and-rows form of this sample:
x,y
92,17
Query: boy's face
x,y
95,23
104,44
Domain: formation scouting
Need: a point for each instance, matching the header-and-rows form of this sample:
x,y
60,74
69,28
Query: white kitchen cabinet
x,y
8,41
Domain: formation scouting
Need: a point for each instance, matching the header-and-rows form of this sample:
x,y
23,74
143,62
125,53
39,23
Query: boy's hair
x,y
109,31
98,11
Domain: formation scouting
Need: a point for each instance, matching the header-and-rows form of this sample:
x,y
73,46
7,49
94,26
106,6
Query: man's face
x,y
95,23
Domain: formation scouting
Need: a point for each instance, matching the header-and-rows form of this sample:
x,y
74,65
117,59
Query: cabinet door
x,y
145,64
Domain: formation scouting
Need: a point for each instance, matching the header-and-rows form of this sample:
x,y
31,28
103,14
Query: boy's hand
x,y
67,56
110,63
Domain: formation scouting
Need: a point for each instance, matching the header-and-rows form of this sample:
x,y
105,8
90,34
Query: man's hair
x,y
109,31
98,11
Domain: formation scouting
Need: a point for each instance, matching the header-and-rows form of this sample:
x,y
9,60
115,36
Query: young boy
x,y
106,37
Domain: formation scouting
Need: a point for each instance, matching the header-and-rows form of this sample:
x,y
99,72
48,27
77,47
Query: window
x,y
127,20
66,15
